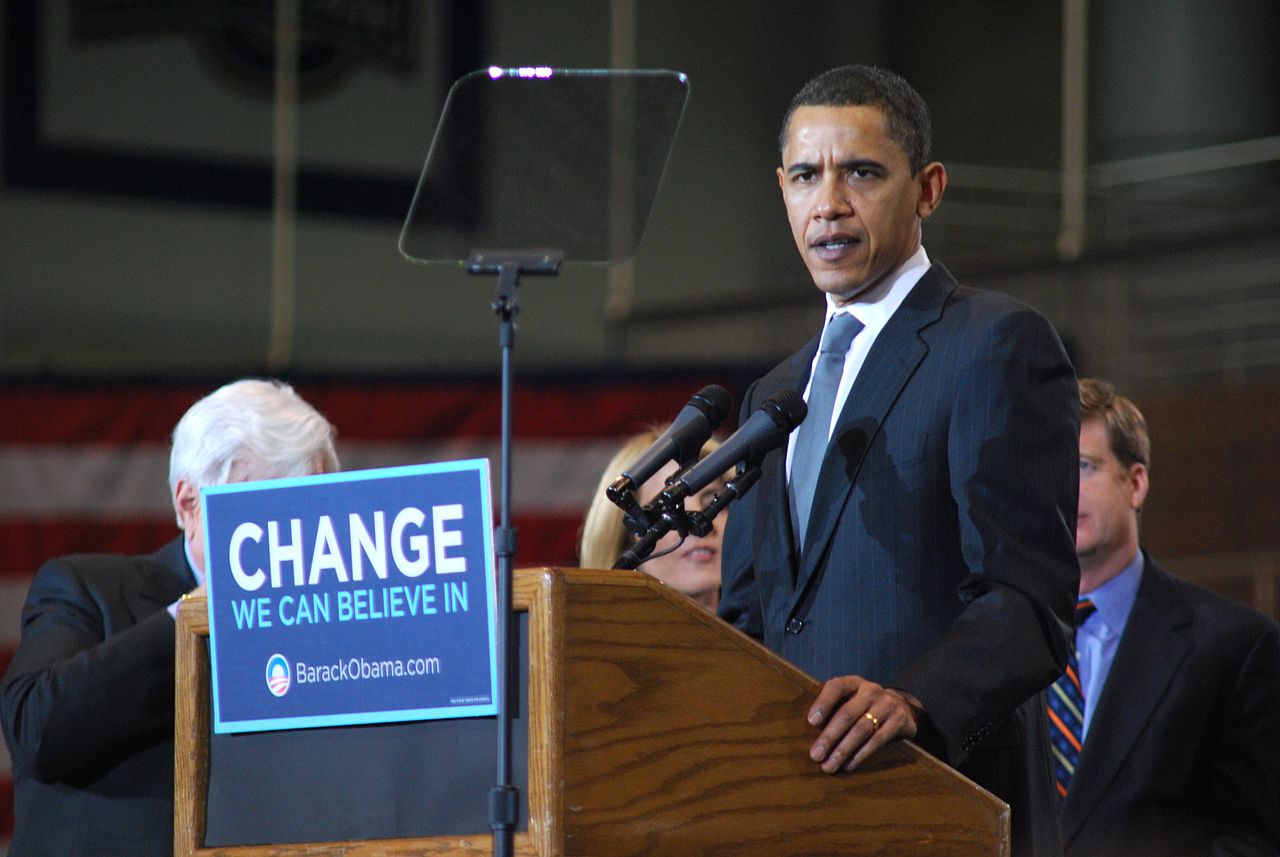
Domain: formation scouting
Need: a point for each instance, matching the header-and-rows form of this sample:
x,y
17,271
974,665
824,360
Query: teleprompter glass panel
x,y
532,159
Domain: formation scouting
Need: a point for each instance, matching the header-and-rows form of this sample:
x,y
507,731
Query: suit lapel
x,y
892,360
1151,650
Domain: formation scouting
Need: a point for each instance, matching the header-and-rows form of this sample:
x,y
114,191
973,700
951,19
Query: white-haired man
x,y
88,698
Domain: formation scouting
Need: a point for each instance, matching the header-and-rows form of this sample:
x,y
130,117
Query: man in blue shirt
x,y
1178,752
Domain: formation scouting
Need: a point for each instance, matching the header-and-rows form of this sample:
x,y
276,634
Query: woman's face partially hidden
x,y
693,569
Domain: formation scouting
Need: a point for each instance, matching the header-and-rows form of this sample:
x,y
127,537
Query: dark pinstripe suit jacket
x,y
940,558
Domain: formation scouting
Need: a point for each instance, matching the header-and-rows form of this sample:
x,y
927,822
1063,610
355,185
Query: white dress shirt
x,y
873,309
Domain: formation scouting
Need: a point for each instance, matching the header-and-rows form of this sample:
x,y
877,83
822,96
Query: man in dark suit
x,y
1180,721
87,701
912,545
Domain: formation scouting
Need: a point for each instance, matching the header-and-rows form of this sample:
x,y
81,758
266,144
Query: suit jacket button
x,y
794,626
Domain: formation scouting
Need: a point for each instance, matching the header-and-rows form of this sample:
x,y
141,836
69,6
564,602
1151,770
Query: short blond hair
x,y
1126,426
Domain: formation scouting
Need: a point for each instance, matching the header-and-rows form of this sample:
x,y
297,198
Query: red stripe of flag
x,y
140,413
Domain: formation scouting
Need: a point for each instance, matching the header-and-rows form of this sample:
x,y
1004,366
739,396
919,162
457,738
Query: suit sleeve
x,y
75,696
739,599
1013,448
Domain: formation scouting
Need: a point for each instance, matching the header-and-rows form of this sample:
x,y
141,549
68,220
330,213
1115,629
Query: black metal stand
x,y
504,798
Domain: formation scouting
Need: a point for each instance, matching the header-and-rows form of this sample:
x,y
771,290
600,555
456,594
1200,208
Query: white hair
x,y
250,429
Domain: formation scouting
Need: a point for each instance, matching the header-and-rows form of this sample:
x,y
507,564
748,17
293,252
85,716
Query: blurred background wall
x,y
1114,163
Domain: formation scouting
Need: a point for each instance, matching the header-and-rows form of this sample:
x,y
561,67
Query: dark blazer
x,y
941,555
1183,751
88,706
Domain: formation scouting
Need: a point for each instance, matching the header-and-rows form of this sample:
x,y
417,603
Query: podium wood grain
x,y
654,729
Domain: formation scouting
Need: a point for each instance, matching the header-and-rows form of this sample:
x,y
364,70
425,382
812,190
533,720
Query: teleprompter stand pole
x,y
504,798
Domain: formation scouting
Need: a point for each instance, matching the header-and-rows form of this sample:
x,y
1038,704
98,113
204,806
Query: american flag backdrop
x,y
84,466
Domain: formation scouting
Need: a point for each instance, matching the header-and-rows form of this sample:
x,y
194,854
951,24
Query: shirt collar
x,y
191,564
875,307
1114,599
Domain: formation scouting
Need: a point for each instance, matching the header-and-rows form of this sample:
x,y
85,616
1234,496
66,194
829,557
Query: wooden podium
x,y
654,729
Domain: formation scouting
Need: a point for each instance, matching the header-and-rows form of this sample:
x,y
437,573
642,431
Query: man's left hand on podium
x,y
858,717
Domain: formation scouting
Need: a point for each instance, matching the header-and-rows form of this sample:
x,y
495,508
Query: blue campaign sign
x,y
361,597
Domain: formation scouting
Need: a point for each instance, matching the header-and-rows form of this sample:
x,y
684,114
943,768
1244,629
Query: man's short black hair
x,y
906,114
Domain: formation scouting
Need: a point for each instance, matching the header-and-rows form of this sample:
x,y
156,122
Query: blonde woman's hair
x,y
604,536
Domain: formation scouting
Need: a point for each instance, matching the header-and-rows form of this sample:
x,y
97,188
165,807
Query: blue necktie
x,y
1065,701
814,433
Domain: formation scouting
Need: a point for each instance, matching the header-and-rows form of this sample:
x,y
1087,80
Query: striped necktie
x,y
1065,704
814,433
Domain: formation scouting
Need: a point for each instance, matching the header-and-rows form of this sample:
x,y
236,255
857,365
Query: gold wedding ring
x,y
875,724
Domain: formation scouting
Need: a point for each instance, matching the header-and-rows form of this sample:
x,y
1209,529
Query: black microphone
x,y
682,441
765,429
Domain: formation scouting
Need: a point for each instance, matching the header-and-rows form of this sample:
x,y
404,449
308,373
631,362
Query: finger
x,y
846,730
896,721
830,696
860,732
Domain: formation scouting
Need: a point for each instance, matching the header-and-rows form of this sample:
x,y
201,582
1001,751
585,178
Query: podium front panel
x,y
395,780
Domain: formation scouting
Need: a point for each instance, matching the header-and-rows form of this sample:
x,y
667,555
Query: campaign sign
x,y
361,597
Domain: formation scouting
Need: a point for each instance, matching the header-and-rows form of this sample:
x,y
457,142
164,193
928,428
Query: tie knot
x,y
839,333
1084,609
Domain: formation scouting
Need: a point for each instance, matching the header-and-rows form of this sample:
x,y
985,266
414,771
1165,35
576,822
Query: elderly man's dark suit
x,y
940,556
88,706
1183,751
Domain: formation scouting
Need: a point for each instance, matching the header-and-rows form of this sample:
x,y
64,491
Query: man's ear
x,y
1139,483
186,503
932,179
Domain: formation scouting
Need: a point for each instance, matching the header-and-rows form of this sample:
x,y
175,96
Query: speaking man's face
x,y
854,207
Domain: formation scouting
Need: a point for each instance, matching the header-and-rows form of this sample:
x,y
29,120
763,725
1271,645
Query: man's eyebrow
x,y
860,164
846,166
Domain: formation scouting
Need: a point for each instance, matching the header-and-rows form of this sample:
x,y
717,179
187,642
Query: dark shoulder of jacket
x,y
1211,607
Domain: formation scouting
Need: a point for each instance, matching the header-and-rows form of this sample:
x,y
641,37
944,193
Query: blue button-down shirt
x,y
1099,636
